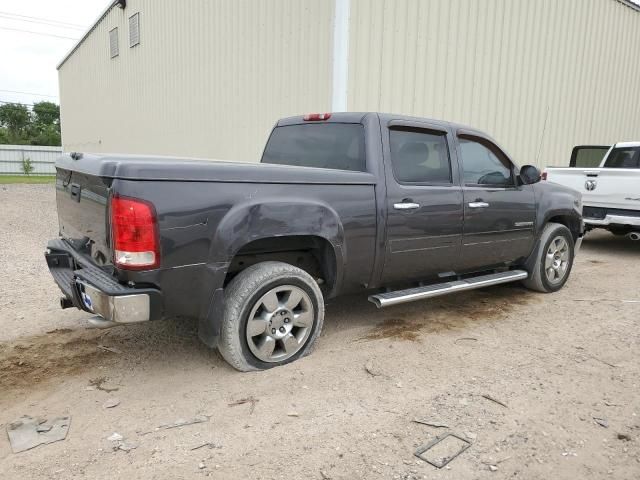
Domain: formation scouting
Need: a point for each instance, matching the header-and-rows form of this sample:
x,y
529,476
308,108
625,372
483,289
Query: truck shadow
x,y
29,362
601,242
413,321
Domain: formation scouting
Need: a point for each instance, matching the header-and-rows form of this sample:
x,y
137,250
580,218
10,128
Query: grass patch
x,y
5,179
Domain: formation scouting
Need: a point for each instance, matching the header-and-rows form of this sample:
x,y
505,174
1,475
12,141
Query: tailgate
x,y
81,200
601,187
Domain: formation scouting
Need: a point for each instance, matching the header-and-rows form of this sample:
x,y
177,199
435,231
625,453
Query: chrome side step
x,y
430,291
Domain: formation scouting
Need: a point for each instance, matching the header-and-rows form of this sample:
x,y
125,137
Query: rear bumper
x,y
93,290
611,220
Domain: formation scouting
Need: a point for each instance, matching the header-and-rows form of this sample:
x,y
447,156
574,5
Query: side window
x,y
483,165
623,158
420,156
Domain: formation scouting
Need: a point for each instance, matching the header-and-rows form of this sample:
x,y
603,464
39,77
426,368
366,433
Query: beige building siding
x,y
539,75
209,78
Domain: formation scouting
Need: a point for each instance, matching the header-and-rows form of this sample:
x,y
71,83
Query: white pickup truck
x,y
610,190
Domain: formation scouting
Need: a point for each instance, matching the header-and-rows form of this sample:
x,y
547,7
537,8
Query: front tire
x,y
273,315
554,260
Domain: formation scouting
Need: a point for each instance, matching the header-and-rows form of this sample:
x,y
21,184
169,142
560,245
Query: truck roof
x,y
627,144
357,117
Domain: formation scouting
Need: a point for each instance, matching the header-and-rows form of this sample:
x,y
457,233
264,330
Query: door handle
x,y
478,205
406,206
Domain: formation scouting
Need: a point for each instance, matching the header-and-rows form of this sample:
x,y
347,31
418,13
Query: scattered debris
x,y
470,435
496,462
293,414
465,339
126,446
201,465
494,400
602,422
111,403
603,361
252,400
109,349
27,432
430,423
59,331
179,423
372,369
442,450
120,443
324,475
609,404
99,384
493,468
115,437
206,444
624,436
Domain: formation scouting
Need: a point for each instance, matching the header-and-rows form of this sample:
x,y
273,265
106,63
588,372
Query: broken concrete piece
x,y
115,437
111,403
27,432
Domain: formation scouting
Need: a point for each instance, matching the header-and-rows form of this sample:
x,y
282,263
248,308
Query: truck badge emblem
x,y
590,185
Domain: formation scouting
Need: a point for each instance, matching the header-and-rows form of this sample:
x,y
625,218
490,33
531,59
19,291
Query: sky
x,y
28,60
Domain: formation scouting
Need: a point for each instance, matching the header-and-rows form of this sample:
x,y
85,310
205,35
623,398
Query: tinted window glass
x,y
419,156
587,157
623,158
482,166
322,145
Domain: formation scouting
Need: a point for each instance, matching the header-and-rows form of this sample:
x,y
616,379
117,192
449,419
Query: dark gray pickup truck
x,y
402,208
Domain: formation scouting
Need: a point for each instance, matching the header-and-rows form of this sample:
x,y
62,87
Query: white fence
x,y
43,159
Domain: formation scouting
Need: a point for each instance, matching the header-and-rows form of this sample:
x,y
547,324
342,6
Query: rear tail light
x,y
134,234
316,117
544,175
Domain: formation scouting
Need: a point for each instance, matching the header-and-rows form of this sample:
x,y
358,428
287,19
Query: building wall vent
x,y
113,43
134,30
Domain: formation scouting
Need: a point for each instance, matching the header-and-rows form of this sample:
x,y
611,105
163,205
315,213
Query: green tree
x,y
46,113
16,119
45,124
20,126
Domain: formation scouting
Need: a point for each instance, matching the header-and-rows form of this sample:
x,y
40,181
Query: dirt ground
x,y
345,412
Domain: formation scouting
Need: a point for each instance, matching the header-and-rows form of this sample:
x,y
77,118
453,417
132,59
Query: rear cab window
x,y
338,146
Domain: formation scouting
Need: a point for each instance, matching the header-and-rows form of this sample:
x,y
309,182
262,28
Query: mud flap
x,y
209,324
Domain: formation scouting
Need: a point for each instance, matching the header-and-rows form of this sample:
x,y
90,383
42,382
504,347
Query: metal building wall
x,y
539,75
209,78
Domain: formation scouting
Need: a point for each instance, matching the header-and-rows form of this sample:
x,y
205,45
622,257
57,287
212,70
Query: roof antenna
x,y
544,129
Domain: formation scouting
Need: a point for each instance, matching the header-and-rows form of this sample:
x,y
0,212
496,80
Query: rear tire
x,y
273,315
554,260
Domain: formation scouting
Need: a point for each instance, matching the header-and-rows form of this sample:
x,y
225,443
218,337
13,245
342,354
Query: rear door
x,y
499,214
424,202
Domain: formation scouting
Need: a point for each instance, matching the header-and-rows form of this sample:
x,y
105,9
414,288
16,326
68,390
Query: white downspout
x,y
342,11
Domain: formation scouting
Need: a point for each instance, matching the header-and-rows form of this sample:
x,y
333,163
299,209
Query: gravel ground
x,y
345,412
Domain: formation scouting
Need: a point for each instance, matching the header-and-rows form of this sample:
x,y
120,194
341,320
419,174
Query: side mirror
x,y
529,174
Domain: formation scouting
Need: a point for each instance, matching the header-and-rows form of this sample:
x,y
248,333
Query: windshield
x,y
623,157
322,145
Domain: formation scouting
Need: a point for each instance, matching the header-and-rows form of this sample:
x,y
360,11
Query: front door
x,y
424,203
499,214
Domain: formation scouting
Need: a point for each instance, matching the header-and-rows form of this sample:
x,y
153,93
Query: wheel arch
x,y
271,227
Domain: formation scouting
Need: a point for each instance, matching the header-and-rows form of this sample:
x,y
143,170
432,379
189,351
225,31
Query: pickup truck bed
x,y
341,203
